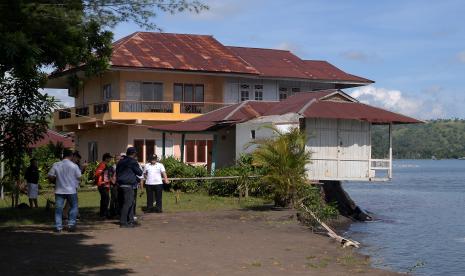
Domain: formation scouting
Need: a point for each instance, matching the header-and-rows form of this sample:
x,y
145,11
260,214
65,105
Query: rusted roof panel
x,y
355,111
54,137
177,52
308,104
284,64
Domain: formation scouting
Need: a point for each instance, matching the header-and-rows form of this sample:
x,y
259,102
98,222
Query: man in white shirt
x,y
66,175
155,176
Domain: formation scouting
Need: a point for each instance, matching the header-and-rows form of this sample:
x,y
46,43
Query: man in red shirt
x,y
103,175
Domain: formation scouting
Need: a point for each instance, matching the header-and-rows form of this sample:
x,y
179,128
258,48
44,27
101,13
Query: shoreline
x,y
239,242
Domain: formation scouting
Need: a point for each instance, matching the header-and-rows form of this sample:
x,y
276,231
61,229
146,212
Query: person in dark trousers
x,y
103,175
155,176
114,197
32,178
128,172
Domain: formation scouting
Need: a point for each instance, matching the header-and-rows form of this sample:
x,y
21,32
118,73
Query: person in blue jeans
x,y
66,175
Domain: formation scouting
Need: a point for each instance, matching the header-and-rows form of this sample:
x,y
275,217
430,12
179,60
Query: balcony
x,y
70,119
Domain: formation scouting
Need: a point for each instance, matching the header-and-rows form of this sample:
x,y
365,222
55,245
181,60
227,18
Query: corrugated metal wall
x,y
340,149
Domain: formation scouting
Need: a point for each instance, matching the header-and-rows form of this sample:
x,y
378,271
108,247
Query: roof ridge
x,y
234,111
258,48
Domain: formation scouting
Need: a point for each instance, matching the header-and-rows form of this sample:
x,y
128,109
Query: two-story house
x,y
162,78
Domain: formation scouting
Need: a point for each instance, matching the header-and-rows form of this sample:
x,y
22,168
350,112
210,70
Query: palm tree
x,y
283,158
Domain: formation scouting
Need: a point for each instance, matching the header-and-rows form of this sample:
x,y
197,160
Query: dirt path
x,y
208,243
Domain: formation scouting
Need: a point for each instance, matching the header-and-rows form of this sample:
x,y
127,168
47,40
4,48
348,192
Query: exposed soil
x,y
239,242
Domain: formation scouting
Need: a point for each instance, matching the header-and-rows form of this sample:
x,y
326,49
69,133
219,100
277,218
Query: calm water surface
x,y
421,218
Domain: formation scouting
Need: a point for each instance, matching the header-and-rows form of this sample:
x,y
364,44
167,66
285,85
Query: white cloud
x,y
396,101
289,46
219,10
359,56
61,95
461,56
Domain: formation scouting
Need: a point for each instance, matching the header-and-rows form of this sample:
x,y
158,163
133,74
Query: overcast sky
x,y
414,50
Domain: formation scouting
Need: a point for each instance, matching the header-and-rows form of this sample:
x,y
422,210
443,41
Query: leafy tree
x,y
55,35
283,159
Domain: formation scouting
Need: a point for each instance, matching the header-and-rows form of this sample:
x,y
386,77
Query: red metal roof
x,y
284,64
355,111
330,104
177,52
203,53
54,137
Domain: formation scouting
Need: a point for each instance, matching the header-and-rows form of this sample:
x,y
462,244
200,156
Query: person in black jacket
x,y
128,172
32,178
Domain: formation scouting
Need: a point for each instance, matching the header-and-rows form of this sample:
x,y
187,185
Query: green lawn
x,y
89,202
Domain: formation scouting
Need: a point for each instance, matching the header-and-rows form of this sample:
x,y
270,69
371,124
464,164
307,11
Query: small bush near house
x,y
177,169
282,159
312,198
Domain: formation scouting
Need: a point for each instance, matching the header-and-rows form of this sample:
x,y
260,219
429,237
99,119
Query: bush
x,y
177,169
312,198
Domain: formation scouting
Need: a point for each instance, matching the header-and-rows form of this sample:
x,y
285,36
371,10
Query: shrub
x,y
283,159
177,169
312,198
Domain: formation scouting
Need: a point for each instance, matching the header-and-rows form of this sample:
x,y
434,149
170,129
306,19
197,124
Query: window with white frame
x,y
283,93
258,92
245,92
148,147
107,92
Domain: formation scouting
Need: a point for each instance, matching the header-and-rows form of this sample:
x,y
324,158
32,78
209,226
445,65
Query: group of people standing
x,y
117,184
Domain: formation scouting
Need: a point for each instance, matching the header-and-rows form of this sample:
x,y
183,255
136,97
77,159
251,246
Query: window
x,y
188,92
177,92
199,94
282,93
258,92
168,148
190,151
139,145
149,149
196,151
152,91
144,91
107,92
93,151
252,134
245,92
201,151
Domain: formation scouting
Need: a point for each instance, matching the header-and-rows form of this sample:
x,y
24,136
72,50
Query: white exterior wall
x,y
341,149
243,131
231,93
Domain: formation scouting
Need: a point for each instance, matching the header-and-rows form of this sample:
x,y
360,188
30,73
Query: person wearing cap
x,y
155,176
103,175
128,172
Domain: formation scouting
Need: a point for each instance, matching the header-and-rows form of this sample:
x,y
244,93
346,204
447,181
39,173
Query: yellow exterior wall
x,y
109,139
92,90
213,85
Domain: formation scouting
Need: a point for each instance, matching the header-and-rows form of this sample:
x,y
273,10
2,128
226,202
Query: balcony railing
x,y
158,107
64,113
200,108
127,110
101,108
82,111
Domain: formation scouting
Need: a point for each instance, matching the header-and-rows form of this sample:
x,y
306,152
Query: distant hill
x,y
443,139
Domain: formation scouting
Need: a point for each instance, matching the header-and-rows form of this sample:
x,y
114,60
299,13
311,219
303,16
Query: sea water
x,y
420,218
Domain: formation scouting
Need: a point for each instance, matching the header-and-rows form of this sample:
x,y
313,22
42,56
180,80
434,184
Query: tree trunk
x,y
334,192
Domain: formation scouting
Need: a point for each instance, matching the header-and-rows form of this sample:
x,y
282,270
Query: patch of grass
x,y
351,260
316,262
89,203
256,264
